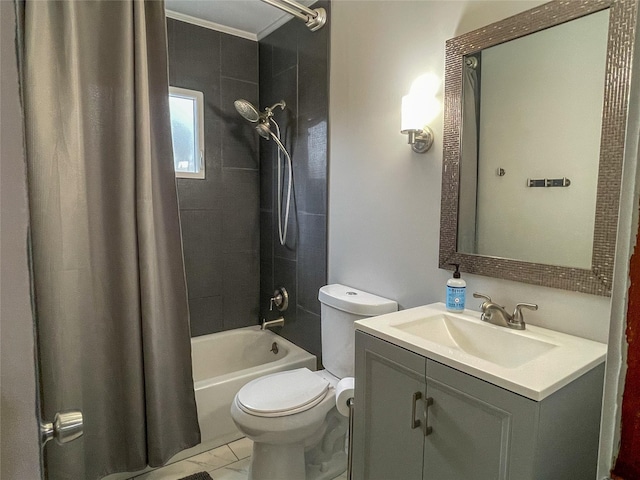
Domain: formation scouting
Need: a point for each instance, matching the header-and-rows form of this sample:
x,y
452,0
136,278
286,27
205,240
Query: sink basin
x,y
535,362
502,347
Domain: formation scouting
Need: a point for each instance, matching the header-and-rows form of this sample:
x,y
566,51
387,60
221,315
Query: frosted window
x,y
187,126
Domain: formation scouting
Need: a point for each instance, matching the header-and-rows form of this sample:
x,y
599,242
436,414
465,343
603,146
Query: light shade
x,y
418,111
413,113
416,115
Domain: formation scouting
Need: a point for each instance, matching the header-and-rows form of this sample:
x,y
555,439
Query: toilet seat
x,y
283,393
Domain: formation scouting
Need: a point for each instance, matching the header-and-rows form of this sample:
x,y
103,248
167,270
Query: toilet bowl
x,y
285,414
291,416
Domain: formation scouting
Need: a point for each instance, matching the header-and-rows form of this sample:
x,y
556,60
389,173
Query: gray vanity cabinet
x,y
387,443
415,418
478,431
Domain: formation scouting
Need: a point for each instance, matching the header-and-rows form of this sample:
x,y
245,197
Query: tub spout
x,y
278,322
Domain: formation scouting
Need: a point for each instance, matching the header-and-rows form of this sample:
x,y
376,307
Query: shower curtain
x,y
110,294
467,208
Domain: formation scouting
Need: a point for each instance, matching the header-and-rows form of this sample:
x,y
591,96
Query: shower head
x,y
251,113
264,125
248,111
264,129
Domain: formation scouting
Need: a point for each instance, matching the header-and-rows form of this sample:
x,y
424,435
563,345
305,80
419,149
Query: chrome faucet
x,y
278,322
496,314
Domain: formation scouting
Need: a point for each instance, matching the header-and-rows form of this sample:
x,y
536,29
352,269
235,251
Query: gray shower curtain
x,y
110,294
467,205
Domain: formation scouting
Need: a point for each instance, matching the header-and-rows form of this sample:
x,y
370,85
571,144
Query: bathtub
x,y
223,362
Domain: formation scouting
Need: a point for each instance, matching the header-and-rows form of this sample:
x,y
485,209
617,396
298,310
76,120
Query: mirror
x,y
535,117
533,112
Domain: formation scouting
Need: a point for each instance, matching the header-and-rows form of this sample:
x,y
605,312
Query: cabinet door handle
x,y
415,422
427,429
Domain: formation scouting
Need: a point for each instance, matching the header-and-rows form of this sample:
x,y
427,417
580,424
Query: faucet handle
x,y
280,299
517,313
487,298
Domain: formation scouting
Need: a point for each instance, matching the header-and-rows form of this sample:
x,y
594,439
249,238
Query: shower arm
x,y
314,19
269,110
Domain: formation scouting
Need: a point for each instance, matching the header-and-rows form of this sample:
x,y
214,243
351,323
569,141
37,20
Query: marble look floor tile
x,y
221,463
242,448
204,462
172,472
213,459
236,471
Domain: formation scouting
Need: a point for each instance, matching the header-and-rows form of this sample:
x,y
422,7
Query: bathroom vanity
x,y
438,409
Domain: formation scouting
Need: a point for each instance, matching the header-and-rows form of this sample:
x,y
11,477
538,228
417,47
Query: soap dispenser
x,y
456,291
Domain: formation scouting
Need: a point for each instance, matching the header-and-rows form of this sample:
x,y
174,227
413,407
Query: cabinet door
x,y
478,431
387,442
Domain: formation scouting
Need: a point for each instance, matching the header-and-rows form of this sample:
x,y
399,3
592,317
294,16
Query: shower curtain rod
x,y
314,19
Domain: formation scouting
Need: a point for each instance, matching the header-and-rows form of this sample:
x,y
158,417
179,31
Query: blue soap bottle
x,y
456,291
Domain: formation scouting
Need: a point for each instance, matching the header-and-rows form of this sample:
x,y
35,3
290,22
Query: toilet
x,y
291,416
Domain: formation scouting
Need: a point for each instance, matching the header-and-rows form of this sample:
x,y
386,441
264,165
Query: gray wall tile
x,y
265,62
284,48
241,289
311,163
201,194
202,242
195,52
239,58
234,278
306,332
241,214
312,260
267,161
239,139
294,66
313,68
266,241
206,315
220,214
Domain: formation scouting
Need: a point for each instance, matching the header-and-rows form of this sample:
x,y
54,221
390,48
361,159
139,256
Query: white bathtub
x,y
223,362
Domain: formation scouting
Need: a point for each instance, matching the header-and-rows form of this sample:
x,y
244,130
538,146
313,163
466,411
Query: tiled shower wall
x,y
233,259
220,214
294,68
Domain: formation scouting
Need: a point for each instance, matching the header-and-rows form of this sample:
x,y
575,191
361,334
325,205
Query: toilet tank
x,y
340,307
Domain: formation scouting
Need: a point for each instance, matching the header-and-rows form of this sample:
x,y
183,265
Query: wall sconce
x,y
419,108
414,123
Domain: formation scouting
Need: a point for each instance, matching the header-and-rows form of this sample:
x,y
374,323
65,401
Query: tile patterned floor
x,y
228,462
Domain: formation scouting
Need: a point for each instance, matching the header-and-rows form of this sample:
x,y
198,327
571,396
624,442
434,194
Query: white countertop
x,y
558,359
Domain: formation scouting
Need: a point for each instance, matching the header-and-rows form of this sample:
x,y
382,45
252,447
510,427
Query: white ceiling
x,y
251,19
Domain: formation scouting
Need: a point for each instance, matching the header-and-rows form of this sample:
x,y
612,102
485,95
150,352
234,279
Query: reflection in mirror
x,y
533,149
533,111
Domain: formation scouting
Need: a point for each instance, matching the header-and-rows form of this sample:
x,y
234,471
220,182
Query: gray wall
x,y
220,214
375,175
294,67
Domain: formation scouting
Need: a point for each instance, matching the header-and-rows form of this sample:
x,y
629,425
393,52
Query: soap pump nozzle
x,y
456,274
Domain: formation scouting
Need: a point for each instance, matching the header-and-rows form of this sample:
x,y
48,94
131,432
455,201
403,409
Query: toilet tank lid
x,y
352,300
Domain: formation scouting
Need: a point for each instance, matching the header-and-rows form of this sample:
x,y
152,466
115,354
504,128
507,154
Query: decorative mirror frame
x,y
622,25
